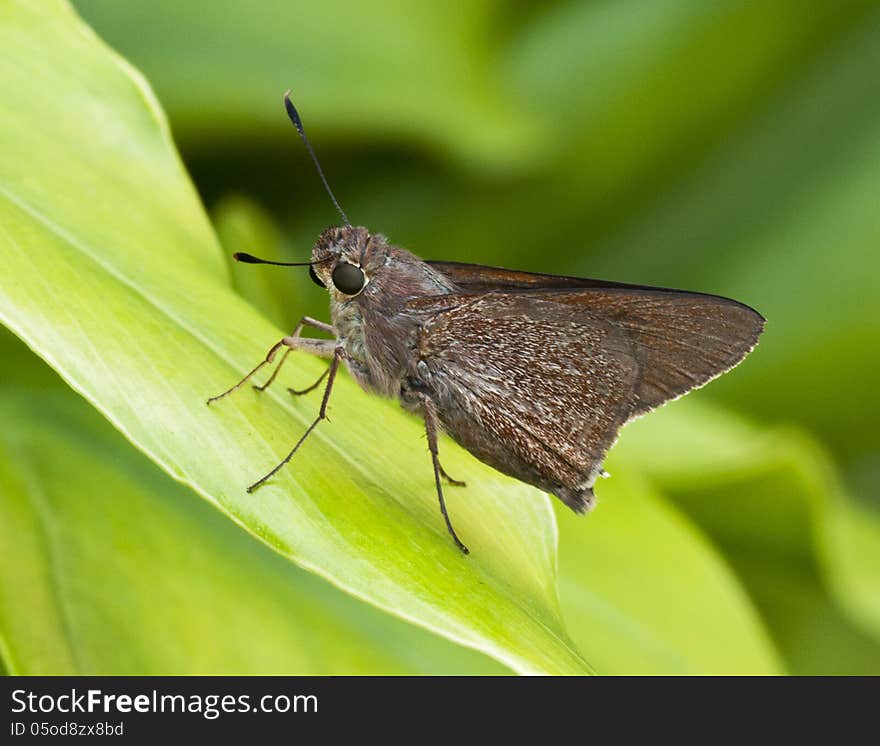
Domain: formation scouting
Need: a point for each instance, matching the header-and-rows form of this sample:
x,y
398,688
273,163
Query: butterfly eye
x,y
315,278
348,279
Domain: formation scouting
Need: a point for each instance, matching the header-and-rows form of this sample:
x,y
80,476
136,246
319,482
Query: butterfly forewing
x,y
682,339
679,340
479,278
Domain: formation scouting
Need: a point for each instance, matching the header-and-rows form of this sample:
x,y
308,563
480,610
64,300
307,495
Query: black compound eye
x,y
348,279
315,278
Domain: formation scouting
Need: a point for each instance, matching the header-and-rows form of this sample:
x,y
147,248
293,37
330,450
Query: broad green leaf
x,y
771,501
136,577
113,275
644,592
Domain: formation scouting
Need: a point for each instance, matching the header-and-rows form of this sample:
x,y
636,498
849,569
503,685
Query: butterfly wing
x,y
538,382
684,339
479,278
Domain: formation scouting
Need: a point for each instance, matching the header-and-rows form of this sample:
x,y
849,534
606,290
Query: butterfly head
x,y
344,259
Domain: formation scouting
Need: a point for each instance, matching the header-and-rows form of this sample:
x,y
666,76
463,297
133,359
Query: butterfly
x,y
533,374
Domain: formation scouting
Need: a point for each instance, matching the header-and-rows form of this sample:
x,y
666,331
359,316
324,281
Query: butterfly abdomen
x,y
580,500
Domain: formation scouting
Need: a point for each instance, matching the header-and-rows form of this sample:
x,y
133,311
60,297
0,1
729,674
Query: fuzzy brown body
x,y
533,374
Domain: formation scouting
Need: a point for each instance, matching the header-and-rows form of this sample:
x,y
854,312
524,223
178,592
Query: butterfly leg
x,y
294,341
300,392
450,480
431,430
304,321
338,355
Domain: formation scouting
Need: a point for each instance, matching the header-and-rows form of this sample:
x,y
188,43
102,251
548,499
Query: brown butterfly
x,y
533,374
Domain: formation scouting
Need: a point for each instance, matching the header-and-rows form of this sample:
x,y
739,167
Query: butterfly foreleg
x,y
320,347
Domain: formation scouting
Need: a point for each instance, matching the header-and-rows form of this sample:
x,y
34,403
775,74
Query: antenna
x,y
297,122
240,256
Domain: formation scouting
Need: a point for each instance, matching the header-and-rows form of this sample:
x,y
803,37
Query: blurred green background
x,y
729,147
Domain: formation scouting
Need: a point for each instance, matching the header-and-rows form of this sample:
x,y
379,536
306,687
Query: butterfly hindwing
x,y
537,381
530,389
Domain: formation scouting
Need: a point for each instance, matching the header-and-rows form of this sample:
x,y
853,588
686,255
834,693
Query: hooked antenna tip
x,y
293,114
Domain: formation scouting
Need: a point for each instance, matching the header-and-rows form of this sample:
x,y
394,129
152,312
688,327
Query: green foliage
x,y
772,503
629,138
643,591
203,597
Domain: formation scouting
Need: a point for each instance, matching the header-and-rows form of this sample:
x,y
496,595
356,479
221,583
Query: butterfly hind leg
x,y
450,480
430,415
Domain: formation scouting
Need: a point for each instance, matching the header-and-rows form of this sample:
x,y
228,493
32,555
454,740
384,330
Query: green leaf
x,y
771,501
113,275
179,595
644,592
